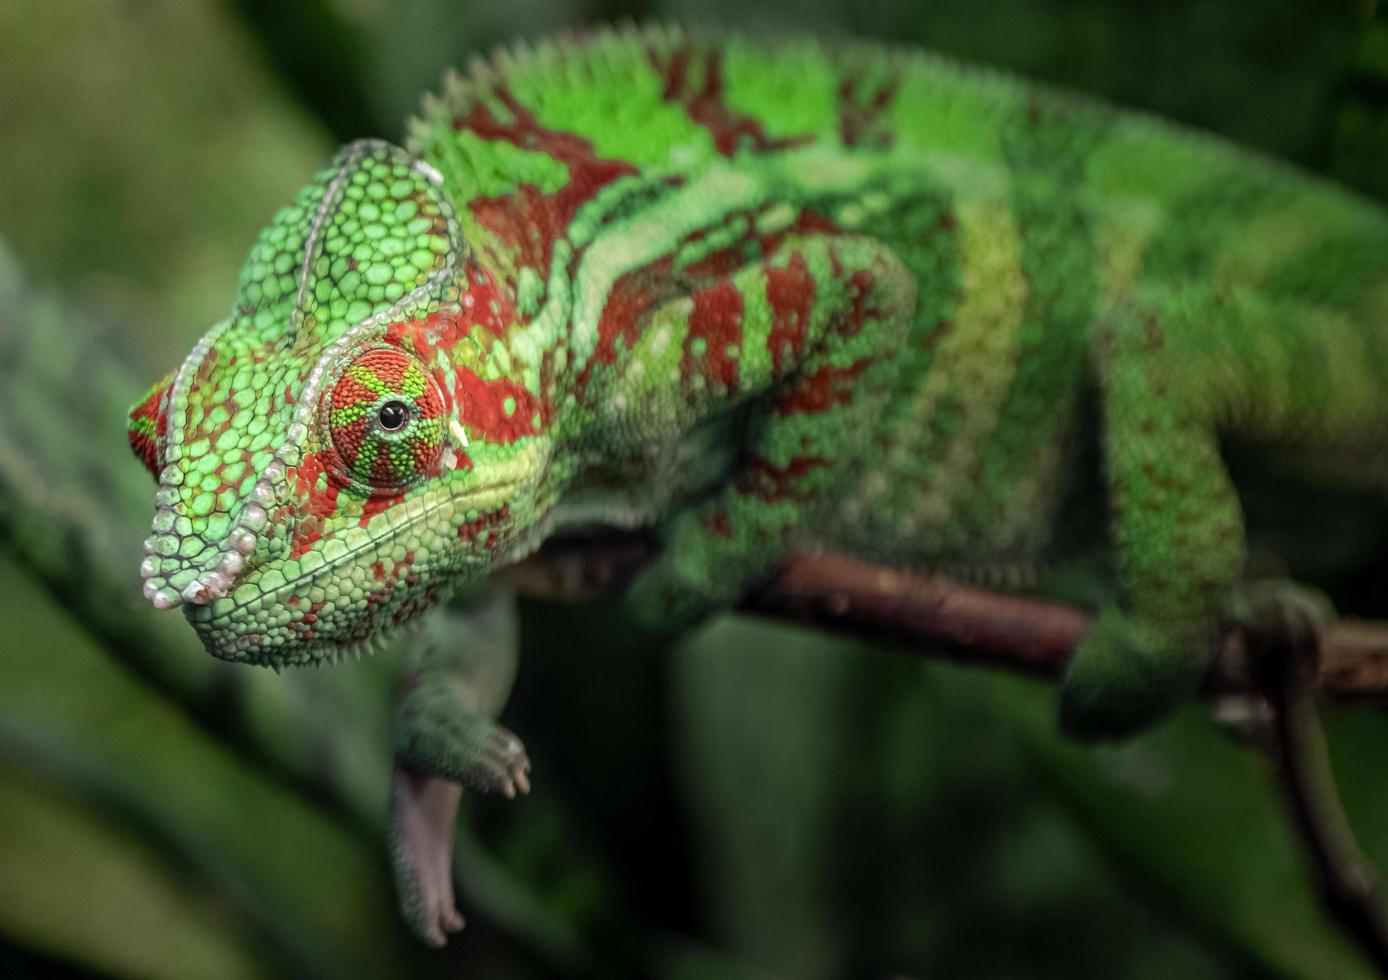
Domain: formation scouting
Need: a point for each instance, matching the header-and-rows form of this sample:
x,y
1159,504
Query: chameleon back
x,y
1028,217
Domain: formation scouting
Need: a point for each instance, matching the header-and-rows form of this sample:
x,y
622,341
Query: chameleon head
x,y
350,442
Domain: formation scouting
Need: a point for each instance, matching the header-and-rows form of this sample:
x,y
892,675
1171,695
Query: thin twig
x,y
1349,885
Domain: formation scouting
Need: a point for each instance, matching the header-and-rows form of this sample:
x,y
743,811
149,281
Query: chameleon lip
x,y
214,620
320,652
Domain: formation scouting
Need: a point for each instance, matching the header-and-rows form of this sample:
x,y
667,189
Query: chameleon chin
x,y
759,297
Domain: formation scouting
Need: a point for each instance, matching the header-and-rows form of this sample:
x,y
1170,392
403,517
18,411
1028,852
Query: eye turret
x,y
385,421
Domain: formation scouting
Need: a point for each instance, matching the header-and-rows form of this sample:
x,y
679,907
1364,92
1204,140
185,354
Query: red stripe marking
x,y
824,389
716,320
790,291
631,297
529,220
860,312
859,121
730,130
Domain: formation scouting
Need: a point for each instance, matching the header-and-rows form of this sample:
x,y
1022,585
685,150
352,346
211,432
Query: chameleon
x,y
756,297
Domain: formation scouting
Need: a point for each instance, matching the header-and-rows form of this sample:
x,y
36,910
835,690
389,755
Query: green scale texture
x,y
765,297
368,232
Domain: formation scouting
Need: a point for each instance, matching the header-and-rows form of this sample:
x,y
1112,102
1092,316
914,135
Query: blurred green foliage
x,y
761,801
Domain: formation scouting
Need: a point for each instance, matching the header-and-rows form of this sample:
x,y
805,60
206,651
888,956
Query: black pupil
x,y
393,416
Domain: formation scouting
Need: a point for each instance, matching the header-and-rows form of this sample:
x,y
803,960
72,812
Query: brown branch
x,y
936,617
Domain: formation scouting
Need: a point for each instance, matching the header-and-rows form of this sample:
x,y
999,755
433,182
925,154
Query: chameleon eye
x,y
385,421
393,416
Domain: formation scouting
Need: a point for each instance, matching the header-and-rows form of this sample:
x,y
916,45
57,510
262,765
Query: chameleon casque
x,y
759,297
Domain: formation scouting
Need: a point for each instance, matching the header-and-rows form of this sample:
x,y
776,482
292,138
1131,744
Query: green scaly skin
x,y
760,298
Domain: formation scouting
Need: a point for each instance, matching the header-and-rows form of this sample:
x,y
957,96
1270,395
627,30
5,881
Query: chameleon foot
x,y
502,765
445,739
1127,676
423,811
1282,612
433,737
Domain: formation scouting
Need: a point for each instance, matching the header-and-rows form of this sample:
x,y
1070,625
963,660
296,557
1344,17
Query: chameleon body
x,y
759,297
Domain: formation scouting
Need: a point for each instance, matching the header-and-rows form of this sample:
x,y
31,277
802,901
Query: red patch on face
x,y
485,305
482,407
306,535
151,413
317,503
481,305
790,293
375,505
717,321
321,501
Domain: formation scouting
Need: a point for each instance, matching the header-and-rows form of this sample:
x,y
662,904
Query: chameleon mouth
x,y
255,629
368,546
319,652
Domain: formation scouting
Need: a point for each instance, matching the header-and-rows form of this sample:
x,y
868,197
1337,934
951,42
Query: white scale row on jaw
x,y
171,477
241,540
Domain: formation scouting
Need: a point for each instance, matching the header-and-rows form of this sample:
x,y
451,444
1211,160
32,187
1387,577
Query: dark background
x,y
757,802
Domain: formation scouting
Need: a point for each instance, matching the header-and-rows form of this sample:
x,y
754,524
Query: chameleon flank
x,y
758,297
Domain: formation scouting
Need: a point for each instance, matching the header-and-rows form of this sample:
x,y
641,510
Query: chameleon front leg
x,y
1178,366
446,738
1175,522
853,302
